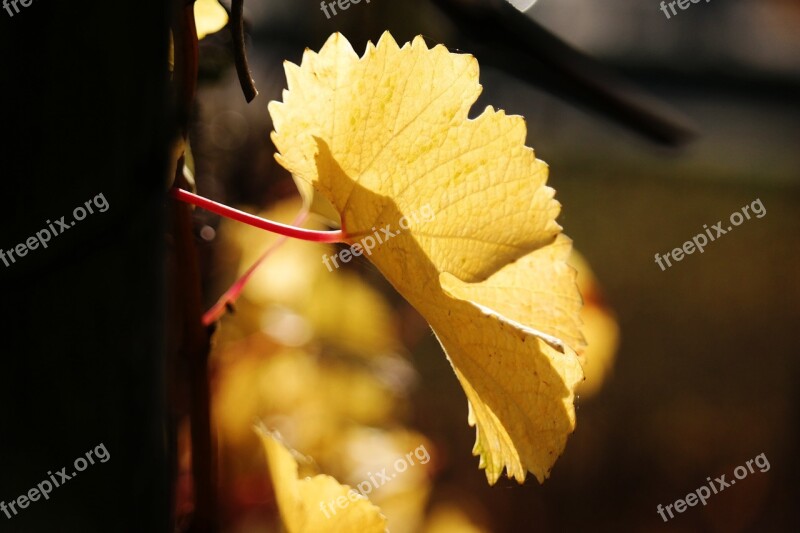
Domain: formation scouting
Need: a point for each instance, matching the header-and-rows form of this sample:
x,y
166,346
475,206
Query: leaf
x,y
315,504
209,16
342,310
599,327
465,223
445,518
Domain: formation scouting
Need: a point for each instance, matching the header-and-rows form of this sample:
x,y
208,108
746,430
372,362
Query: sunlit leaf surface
x,y
472,239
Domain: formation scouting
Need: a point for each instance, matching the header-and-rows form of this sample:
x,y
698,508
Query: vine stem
x,y
239,54
258,222
190,383
232,294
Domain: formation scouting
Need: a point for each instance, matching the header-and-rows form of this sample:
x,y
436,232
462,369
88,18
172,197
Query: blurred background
x,y
692,370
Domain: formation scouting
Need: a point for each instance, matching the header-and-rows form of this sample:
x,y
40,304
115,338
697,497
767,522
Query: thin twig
x,y
239,52
503,37
226,301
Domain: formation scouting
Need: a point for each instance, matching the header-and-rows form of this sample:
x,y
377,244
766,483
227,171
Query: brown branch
x,y
192,384
194,353
239,52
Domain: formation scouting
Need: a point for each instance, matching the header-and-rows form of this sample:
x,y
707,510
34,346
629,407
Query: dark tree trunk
x,y
84,113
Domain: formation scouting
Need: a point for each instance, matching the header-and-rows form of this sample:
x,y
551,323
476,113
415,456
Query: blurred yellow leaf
x,y
456,206
405,456
317,503
310,402
446,518
599,327
209,17
341,310
349,313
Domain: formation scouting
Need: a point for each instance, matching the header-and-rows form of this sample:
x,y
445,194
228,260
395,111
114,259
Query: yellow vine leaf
x,y
599,327
209,17
466,226
317,503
